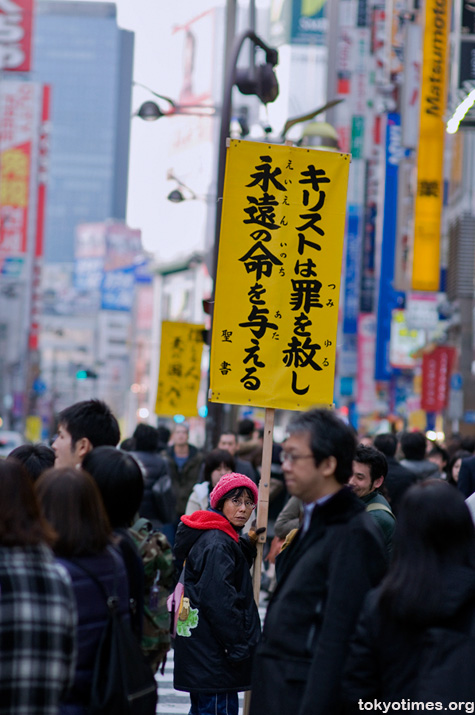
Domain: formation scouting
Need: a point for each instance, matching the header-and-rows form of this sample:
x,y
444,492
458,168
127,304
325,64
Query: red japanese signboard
x,y
16,20
436,370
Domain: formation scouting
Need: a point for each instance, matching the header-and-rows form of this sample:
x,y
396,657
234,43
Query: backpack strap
x,y
141,523
380,507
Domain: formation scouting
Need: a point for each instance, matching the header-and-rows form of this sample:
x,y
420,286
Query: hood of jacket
x,y
422,468
192,526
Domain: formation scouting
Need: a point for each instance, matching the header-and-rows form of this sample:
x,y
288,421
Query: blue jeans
x,y
214,704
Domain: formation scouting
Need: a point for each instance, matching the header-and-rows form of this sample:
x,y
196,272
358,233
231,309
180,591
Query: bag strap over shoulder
x,y
380,507
111,600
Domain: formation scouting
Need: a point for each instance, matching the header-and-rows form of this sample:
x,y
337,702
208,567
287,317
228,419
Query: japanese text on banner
x,y
180,369
276,311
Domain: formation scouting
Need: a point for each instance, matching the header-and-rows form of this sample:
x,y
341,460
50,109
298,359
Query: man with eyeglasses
x,y
336,556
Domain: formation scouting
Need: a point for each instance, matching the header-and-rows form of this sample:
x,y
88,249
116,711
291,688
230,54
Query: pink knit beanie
x,y
231,481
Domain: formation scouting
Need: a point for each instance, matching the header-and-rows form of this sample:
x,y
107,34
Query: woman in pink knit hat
x,y
218,627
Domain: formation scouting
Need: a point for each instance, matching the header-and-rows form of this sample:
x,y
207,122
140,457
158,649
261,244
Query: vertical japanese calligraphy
x,y
180,369
276,311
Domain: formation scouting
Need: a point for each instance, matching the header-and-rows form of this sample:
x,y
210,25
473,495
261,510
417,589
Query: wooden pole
x,y
263,504
262,515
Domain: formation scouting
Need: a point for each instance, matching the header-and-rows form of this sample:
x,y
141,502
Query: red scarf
x,y
210,520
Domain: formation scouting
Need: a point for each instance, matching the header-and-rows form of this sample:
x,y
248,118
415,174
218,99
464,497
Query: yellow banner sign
x,y
278,283
180,369
430,156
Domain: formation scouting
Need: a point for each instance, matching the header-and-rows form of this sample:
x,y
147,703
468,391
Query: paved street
x,y
172,702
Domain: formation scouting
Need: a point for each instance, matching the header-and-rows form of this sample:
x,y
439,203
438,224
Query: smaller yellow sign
x,y
180,369
33,428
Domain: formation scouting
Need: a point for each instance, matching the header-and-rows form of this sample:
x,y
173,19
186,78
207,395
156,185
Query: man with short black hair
x,y
369,470
81,427
228,441
414,447
184,464
155,467
399,478
336,556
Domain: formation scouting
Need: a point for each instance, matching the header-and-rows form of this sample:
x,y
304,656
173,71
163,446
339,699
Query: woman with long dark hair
x,y
72,505
427,596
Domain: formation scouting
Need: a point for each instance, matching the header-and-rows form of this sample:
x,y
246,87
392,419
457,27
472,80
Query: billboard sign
x,y
430,152
279,272
16,20
389,298
20,119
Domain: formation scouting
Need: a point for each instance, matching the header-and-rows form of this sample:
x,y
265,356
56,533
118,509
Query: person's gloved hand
x,y
253,533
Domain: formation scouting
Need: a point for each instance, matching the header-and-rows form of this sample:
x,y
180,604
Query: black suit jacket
x,y
466,482
323,578
398,479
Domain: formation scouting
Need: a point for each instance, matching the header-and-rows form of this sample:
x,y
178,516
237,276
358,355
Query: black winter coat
x,y
323,579
386,655
217,654
155,467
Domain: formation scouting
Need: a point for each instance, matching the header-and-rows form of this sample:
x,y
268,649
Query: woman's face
x,y
456,469
238,509
217,473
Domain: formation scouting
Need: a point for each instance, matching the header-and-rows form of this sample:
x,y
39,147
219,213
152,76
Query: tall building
x,y
87,59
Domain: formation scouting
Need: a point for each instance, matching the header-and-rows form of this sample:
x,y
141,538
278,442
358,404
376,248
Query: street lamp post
x,y
261,82
255,80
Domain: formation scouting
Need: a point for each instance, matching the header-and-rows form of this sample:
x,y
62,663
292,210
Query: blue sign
x,y
88,273
118,289
352,271
389,298
456,381
309,24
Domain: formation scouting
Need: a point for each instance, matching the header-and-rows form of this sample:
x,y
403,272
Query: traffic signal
x,y
83,374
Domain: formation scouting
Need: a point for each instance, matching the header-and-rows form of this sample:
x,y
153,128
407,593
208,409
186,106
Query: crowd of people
x,y
369,565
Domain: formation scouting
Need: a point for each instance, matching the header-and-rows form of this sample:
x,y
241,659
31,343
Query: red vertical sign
x,y
16,23
436,370
40,214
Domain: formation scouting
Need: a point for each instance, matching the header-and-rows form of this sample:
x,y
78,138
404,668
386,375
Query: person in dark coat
x,y
145,451
184,464
369,471
73,506
398,479
414,448
214,646
466,482
336,556
229,442
120,482
431,583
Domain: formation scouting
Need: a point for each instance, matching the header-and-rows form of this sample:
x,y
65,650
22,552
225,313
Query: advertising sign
x,y
16,19
354,237
389,299
40,216
436,371
405,341
278,282
430,155
20,115
298,22
366,394
118,289
180,369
